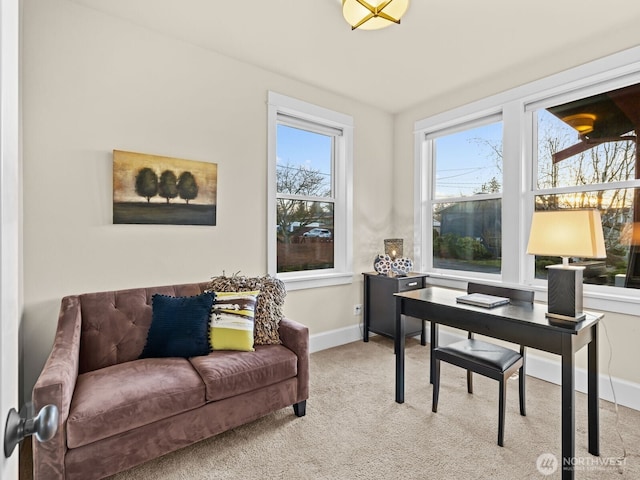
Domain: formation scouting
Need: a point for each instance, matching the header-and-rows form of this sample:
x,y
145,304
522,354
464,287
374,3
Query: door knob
x,y
20,425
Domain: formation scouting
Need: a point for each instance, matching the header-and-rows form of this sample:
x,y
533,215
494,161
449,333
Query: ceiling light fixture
x,y
361,14
582,122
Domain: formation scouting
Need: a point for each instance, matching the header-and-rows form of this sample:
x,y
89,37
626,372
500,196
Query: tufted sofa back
x,y
115,324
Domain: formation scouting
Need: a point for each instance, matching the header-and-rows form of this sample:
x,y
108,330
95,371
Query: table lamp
x,y
393,247
566,233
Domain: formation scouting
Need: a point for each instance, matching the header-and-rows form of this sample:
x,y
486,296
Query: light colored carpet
x,y
354,429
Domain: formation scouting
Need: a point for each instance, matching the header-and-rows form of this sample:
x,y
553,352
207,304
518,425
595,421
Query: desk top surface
x,y
533,314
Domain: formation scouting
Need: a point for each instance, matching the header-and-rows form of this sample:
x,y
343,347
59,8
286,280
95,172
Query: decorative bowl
x,y
402,266
382,264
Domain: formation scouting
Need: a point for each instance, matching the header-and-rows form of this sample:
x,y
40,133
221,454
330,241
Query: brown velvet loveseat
x,y
118,411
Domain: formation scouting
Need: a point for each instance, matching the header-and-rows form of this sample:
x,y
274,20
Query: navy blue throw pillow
x,y
179,326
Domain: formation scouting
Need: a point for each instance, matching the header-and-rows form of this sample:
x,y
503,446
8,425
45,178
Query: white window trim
x,y
342,273
517,105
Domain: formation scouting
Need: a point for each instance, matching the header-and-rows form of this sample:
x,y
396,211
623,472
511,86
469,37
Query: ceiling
x,y
441,46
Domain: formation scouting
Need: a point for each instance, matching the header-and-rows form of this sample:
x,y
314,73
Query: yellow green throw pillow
x,y
232,320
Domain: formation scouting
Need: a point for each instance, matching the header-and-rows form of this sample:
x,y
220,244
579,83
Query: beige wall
x,y
93,83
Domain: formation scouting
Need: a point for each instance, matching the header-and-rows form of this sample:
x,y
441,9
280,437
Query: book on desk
x,y
482,300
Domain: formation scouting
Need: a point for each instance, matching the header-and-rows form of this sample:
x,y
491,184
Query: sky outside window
x,y
467,161
301,149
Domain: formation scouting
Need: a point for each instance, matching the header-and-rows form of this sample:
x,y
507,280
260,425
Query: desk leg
x,y
399,350
593,394
568,409
434,343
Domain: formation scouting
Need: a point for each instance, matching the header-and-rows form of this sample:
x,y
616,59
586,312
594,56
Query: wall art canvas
x,y
151,189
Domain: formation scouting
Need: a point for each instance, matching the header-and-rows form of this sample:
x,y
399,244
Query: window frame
x,y
342,198
520,172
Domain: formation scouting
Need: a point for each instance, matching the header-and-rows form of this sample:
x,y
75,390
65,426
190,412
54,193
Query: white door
x,y
10,192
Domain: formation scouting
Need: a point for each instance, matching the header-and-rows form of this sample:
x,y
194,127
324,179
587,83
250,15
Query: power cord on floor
x,y
615,400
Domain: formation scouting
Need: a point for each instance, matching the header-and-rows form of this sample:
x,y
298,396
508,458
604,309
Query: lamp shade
x,y
393,247
567,233
373,14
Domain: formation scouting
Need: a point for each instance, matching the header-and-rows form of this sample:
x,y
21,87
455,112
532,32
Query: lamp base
x,y
564,293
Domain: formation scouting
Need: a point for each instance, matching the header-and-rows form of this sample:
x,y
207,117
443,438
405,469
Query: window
x,y
587,158
309,218
567,141
466,196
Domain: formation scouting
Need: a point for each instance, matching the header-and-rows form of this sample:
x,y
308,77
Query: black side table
x,y
379,307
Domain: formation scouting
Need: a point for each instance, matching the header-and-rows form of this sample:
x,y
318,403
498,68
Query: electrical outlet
x,y
357,309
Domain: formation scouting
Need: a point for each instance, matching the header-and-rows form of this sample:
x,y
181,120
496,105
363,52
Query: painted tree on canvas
x,y
147,183
168,186
187,186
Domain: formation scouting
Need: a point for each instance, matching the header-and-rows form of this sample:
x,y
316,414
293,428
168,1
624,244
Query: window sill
x,y
614,301
624,304
298,281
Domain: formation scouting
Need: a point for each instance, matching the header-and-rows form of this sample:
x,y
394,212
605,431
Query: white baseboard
x,y
626,393
334,338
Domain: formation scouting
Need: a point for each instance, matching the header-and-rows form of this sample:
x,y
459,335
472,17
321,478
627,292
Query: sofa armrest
x,y
295,337
55,385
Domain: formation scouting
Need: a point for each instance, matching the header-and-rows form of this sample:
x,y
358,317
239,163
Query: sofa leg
x,y
300,408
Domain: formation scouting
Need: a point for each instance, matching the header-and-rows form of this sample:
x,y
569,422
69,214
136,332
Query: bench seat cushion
x,y
229,373
121,397
488,354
